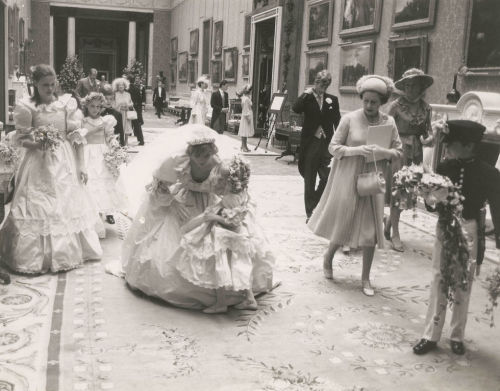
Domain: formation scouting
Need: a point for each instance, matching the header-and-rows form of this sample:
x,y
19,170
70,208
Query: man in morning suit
x,y
159,98
220,106
136,94
321,117
87,85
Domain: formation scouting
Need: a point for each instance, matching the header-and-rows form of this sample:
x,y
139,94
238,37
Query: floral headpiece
x,y
239,174
92,97
202,140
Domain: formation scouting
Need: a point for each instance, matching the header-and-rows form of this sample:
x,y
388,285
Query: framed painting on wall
x,y
192,71
194,36
182,58
320,22
216,71
360,17
230,60
173,74
315,62
406,53
218,35
245,66
356,61
173,48
410,14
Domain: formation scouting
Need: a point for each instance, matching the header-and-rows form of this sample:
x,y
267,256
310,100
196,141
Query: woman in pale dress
x,y
123,103
413,119
199,106
246,124
342,216
50,226
187,181
103,187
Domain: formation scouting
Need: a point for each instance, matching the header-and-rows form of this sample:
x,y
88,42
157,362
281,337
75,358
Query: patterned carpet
x,y
86,330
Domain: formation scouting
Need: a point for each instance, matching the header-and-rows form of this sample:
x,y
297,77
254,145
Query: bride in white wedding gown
x,y
185,180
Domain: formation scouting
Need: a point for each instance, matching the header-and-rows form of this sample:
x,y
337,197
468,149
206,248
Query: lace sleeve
x,y
109,127
23,118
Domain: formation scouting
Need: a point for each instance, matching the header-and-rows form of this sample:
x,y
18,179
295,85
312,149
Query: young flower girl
x,y
218,249
99,135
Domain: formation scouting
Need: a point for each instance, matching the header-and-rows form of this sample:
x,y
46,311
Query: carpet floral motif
x,y
383,336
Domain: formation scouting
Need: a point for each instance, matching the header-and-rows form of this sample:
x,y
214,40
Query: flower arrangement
x,y
405,187
493,287
115,157
455,252
234,216
239,174
48,136
8,155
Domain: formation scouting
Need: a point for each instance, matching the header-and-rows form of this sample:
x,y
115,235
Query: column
x,y
71,36
51,41
150,55
131,41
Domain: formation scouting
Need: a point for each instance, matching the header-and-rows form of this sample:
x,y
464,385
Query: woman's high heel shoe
x,y
367,288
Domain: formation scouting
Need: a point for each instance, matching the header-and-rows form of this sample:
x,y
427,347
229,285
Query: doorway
x,y
3,71
263,68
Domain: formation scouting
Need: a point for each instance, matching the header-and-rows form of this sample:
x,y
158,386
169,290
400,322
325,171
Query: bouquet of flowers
x,y
448,200
234,216
48,136
8,155
115,157
493,292
239,174
405,187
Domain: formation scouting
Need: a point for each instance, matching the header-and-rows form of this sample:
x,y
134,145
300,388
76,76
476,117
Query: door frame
x,y
4,66
277,14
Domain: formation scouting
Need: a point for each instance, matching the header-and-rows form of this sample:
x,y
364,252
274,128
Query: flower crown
x,y
93,96
202,140
239,174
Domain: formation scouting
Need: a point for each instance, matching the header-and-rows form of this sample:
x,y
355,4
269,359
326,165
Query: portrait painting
x,y
245,66
192,71
356,61
173,48
218,35
173,73
315,62
320,22
230,64
406,53
216,71
409,14
194,36
360,17
183,64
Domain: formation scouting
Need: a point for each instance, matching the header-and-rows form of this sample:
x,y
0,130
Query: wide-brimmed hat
x,y
415,74
204,79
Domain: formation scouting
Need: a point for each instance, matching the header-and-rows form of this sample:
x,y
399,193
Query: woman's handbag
x,y
371,183
132,115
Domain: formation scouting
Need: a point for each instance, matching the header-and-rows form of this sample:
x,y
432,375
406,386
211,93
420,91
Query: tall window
x,y
484,36
207,46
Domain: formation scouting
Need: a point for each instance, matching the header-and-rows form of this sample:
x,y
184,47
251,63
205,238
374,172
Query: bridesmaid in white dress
x,y
123,103
50,226
246,124
199,106
108,197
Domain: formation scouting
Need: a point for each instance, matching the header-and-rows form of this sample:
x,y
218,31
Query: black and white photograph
x,y
250,195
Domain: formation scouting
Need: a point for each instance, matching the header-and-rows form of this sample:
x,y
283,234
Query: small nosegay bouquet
x,y
48,136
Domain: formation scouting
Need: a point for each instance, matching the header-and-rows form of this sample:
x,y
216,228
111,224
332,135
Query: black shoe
x,y
110,219
4,278
424,346
141,143
457,347
307,220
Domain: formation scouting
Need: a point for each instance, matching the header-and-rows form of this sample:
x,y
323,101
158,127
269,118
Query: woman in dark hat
x,y
413,119
478,182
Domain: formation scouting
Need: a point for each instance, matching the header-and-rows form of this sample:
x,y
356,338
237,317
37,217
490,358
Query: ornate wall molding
x,y
144,5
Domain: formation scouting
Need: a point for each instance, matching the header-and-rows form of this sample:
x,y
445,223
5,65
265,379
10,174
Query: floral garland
x,y
239,174
8,154
405,187
455,252
493,281
48,136
409,183
115,157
